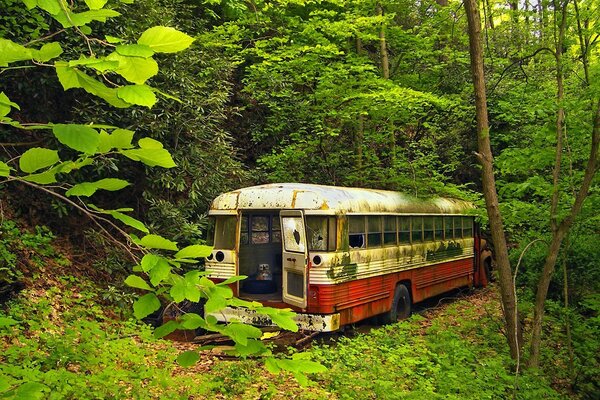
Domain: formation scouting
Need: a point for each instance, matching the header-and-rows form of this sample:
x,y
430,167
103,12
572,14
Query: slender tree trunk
x,y
489,183
567,314
385,62
360,130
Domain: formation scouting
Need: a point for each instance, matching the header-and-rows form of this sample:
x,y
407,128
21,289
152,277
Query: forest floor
x,y
71,337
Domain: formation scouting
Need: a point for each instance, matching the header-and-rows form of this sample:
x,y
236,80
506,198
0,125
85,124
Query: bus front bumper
x,y
309,322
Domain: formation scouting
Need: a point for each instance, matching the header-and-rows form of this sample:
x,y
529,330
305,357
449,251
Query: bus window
x,y
321,233
224,232
438,223
260,229
457,227
428,228
467,227
417,229
374,236
448,228
356,232
275,229
389,230
404,230
244,229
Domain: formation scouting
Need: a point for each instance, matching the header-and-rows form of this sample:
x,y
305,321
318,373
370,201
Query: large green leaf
x,y
96,4
37,158
165,329
6,104
30,391
89,188
135,50
51,6
70,78
130,221
188,358
43,178
78,137
11,52
141,95
137,282
194,251
118,139
4,169
160,272
69,19
158,242
134,69
240,333
145,305
47,52
149,143
99,64
163,39
151,157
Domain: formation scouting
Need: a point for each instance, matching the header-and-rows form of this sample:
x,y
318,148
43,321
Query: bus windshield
x,y
221,232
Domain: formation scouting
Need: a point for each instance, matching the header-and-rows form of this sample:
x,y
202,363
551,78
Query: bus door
x,y
295,257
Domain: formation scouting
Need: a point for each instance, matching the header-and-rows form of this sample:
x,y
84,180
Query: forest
x,y
122,120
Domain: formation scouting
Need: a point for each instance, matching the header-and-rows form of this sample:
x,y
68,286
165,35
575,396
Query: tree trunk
x,y
360,131
385,63
489,183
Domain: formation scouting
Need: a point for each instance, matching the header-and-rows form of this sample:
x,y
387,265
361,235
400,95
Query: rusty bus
x,y
339,255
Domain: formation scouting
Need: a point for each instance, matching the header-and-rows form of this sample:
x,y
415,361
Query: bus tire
x,y
401,306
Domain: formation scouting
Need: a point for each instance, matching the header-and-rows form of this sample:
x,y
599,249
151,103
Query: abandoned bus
x,y
338,255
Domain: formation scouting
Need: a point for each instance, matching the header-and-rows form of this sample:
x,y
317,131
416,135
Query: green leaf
x,y
6,104
160,272
135,50
37,158
118,139
252,347
4,169
145,305
165,329
70,19
240,333
99,64
78,137
158,242
30,391
47,52
11,52
151,157
96,4
141,95
134,69
149,261
71,78
89,188
130,221
192,321
194,251
215,303
149,143
188,358
43,178
51,6
163,39
271,365
232,279
113,39
5,321
137,282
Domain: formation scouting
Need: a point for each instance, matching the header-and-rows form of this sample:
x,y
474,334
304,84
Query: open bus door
x,y
295,258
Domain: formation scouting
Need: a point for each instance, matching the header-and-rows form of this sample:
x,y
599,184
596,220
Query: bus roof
x,y
320,199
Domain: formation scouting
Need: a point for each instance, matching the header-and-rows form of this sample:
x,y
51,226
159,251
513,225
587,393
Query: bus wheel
x,y
401,306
